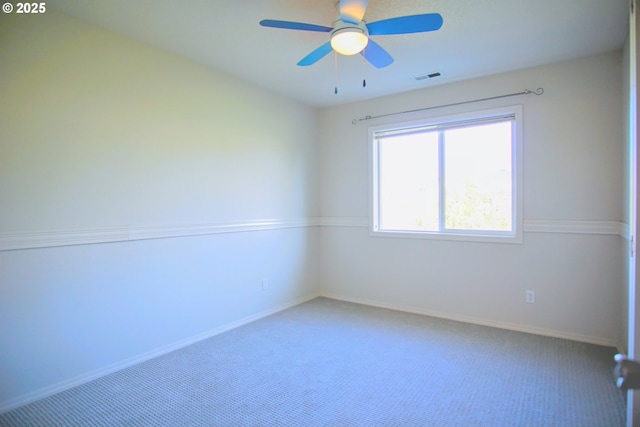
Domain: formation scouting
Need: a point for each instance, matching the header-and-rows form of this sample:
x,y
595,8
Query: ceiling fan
x,y
350,33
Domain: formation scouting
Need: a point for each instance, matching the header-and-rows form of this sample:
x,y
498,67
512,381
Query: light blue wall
x,y
98,131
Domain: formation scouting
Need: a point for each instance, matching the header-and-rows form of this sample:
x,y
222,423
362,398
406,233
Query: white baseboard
x,y
89,376
477,321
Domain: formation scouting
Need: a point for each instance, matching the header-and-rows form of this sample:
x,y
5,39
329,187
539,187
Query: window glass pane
x,y
408,180
477,177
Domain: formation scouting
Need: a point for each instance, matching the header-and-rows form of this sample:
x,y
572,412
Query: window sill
x,y
460,237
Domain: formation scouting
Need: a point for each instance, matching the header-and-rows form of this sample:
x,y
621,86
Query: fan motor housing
x,y
340,26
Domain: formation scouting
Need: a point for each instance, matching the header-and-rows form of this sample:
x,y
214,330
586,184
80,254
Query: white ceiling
x,y
478,37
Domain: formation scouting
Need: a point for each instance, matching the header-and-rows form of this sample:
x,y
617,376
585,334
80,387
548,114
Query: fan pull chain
x,y
335,71
364,70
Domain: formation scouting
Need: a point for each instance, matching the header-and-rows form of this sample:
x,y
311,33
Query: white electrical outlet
x,y
265,284
530,297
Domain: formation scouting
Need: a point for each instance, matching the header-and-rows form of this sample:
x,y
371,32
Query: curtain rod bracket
x,y
536,92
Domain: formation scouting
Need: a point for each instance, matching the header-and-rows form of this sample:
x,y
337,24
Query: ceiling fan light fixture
x,y
349,41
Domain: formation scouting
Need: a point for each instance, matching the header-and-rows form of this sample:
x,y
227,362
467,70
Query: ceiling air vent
x,y
420,77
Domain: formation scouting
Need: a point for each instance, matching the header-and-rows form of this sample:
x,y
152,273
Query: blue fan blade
x,y
287,25
316,55
352,11
406,24
376,55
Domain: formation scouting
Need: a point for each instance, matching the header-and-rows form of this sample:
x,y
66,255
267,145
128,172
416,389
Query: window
x,y
455,177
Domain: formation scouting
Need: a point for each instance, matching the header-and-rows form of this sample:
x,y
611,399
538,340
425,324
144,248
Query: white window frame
x,y
513,236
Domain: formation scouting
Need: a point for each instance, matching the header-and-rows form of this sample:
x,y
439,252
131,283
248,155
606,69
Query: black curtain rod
x,y
538,91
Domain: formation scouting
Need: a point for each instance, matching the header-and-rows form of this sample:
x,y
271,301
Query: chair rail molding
x,y
32,239
81,236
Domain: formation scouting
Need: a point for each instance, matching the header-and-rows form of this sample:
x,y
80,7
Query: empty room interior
x,y
214,175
